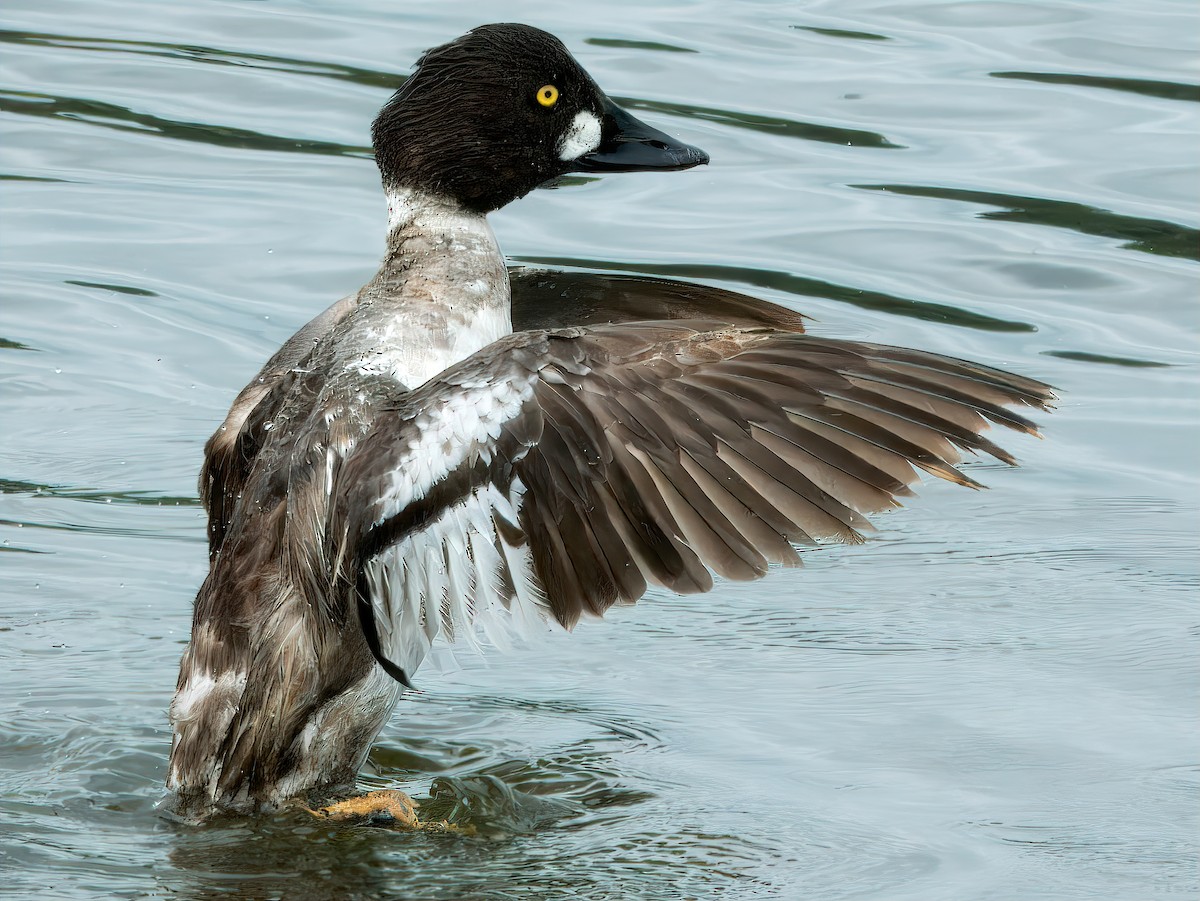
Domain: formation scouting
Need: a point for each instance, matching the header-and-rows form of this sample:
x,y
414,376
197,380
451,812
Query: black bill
x,y
630,145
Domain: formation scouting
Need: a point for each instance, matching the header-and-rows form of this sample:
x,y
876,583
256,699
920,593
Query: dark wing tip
x,y
366,614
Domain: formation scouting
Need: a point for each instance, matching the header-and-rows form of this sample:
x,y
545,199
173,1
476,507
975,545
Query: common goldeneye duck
x,y
453,453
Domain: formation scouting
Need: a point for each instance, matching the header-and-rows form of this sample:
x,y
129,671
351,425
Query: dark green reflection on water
x,y
1166,90
6,344
843,33
1085,357
290,857
209,55
109,115
7,177
1148,235
119,289
638,45
790,128
803,287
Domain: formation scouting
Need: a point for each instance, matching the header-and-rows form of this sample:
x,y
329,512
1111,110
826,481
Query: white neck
x,y
441,293
407,208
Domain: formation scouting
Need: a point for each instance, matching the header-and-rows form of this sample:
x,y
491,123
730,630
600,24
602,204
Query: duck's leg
x,y
386,807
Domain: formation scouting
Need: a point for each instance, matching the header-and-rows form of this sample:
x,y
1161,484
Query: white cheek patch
x,y
582,136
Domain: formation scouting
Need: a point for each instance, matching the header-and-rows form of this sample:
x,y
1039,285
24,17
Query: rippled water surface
x,y
996,698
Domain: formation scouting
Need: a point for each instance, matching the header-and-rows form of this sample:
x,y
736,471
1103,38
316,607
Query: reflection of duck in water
x,y
408,467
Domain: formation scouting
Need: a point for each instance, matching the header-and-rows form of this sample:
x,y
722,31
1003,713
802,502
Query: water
x,y
994,699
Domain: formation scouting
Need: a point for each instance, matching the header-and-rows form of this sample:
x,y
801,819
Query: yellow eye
x,y
547,95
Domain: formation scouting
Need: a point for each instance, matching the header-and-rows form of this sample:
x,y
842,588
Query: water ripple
x,y
137,498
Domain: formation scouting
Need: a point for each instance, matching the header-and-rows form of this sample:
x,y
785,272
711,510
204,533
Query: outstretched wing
x,y
554,474
541,299
553,299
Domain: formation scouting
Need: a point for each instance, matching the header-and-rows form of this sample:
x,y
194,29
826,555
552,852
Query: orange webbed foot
x,y
386,807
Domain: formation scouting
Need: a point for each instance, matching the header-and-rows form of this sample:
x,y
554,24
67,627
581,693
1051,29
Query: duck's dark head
x,y
504,108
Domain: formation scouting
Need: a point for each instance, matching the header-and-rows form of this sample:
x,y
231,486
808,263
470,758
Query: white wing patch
x,y
461,429
582,136
457,579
